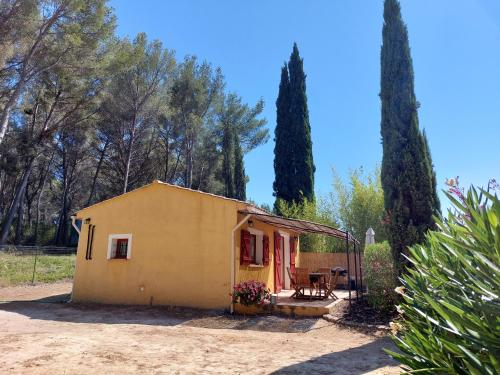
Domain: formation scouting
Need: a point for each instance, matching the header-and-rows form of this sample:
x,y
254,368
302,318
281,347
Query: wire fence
x,y
32,264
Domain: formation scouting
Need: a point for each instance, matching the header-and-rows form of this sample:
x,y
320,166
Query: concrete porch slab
x,y
294,307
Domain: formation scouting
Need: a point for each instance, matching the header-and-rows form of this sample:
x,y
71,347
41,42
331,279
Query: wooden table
x,y
315,278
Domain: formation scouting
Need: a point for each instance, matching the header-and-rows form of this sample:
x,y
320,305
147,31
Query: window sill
x,y
256,265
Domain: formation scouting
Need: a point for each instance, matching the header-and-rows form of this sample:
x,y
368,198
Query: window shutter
x,y
265,250
245,247
292,254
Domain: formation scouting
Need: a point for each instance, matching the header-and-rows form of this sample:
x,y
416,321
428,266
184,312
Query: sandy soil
x,y
37,337
35,292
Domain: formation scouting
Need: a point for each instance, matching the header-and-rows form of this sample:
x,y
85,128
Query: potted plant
x,y
251,293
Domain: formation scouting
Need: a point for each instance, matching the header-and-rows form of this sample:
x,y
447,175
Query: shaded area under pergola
x,y
304,226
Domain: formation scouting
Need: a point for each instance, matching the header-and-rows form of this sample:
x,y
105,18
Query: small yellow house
x,y
163,244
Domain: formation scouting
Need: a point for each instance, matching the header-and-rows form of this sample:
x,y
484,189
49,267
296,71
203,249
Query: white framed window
x,y
119,246
256,246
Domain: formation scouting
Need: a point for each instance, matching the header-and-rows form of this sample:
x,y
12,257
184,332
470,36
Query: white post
x,y
369,239
370,236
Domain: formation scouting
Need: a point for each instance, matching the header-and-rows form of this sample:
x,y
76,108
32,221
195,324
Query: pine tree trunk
x,y
62,227
19,224
37,217
5,116
60,238
96,174
166,160
29,217
174,171
39,199
129,156
189,168
15,202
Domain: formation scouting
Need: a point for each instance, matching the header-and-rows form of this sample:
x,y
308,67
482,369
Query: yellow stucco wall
x,y
180,249
180,256
264,273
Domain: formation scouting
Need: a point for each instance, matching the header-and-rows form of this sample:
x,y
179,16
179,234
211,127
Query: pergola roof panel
x,y
299,226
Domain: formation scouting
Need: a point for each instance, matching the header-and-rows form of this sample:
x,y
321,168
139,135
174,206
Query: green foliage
x,y
320,212
241,131
359,204
86,115
451,304
427,151
380,275
407,176
355,206
300,142
18,269
240,179
293,159
128,109
228,160
283,180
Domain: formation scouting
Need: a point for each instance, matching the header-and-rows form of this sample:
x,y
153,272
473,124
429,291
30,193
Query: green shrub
x,y
359,203
380,276
451,305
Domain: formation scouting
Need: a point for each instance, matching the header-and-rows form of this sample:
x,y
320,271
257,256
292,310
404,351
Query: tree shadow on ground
x,y
353,361
55,308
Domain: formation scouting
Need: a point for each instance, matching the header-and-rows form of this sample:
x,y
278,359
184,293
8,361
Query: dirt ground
x,y
49,337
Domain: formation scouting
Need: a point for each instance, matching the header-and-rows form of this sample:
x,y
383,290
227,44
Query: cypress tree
x,y
435,197
293,159
406,170
228,160
240,179
284,175
303,163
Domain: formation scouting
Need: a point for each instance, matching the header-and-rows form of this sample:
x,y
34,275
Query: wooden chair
x,y
302,280
327,281
332,282
298,282
293,284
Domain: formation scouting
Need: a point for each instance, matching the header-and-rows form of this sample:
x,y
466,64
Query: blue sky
x,y
456,56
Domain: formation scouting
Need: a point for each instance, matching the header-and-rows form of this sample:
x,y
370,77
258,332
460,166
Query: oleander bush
x,y
450,291
380,276
251,293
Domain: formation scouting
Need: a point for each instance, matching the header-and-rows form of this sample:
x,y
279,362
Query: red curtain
x,y
277,262
245,247
292,254
265,250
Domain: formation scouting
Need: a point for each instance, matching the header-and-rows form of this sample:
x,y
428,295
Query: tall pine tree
x,y
407,176
293,159
240,179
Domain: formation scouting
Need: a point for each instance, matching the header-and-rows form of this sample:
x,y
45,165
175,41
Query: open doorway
x,y
281,261
285,256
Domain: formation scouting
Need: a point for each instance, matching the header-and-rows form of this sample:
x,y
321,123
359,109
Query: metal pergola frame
x,y
304,226
357,260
